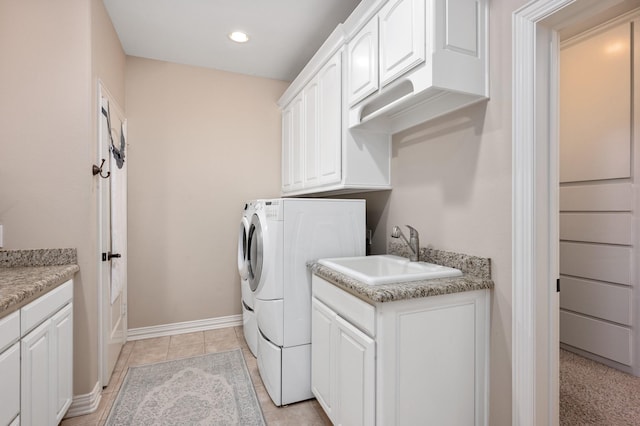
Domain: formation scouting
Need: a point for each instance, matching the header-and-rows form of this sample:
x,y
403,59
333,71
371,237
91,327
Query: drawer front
x,y
9,330
45,306
10,388
356,311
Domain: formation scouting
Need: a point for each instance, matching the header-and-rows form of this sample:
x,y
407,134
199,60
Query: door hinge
x,y
558,285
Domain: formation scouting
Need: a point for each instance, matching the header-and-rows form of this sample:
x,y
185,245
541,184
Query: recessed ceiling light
x,y
239,37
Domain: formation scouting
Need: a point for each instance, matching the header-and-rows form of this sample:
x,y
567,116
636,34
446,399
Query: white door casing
x,y
535,388
111,214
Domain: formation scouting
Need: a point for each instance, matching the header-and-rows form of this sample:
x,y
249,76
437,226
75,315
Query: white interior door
x,y
113,233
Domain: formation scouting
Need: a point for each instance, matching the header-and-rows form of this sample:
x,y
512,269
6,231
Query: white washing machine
x,y
249,321
284,234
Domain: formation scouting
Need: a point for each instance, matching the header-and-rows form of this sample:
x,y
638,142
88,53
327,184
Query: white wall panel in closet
x,y
596,261
609,228
595,336
597,197
595,113
607,301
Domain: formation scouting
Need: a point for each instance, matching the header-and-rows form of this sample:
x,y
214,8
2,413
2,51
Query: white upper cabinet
x,y
432,60
362,70
402,38
312,130
329,81
292,147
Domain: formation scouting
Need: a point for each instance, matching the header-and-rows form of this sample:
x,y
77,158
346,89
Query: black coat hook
x,y
98,170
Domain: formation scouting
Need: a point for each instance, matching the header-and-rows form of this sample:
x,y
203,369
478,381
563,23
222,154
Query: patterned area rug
x,y
213,389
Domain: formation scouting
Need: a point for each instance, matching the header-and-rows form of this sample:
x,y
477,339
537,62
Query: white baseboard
x,y
184,327
85,404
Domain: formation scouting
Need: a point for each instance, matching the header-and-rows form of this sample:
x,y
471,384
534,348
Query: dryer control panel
x,y
273,209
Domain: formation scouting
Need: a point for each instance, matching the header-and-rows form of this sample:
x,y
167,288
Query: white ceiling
x,y
284,33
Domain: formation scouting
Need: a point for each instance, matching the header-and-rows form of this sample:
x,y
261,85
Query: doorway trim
x,y
534,203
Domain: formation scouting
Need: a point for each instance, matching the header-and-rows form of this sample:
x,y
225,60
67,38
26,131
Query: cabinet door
x,y
287,141
330,85
355,376
36,377
362,69
292,145
10,388
402,38
297,143
62,358
322,356
312,128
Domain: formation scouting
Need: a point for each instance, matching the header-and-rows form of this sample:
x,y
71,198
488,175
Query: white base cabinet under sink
x,y
415,361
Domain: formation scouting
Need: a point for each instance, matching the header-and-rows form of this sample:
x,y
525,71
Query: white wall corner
x,y
85,404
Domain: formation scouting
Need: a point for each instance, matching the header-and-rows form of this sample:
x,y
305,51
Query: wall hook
x,y
98,170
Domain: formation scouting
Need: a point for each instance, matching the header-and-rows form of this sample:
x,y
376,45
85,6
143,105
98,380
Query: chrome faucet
x,y
413,242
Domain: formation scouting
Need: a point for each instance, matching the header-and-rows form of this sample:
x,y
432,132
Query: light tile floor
x,y
158,349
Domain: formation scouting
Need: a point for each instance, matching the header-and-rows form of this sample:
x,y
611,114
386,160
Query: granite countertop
x,y
26,275
476,276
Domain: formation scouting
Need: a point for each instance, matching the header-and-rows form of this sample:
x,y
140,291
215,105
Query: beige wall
x,y
47,194
202,142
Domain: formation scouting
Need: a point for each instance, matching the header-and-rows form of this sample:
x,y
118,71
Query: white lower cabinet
x,y
62,326
37,374
343,368
416,361
46,365
9,368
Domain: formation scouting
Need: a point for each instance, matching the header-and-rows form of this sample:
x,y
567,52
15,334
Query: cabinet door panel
x,y
10,388
312,128
362,67
36,376
355,376
297,143
402,38
322,358
438,348
287,141
330,83
62,338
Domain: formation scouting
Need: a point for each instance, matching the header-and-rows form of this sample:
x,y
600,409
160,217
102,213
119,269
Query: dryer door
x,y
255,252
243,248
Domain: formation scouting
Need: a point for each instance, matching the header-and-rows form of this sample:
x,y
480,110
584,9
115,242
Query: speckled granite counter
x,y
476,276
28,274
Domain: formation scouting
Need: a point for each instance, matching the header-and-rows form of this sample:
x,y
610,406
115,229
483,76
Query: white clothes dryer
x,y
249,321
285,234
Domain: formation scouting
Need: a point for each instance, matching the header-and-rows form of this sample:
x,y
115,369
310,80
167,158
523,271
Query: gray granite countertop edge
x,y
23,284
404,290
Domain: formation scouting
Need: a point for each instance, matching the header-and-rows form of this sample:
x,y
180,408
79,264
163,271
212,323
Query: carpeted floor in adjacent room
x,y
594,394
